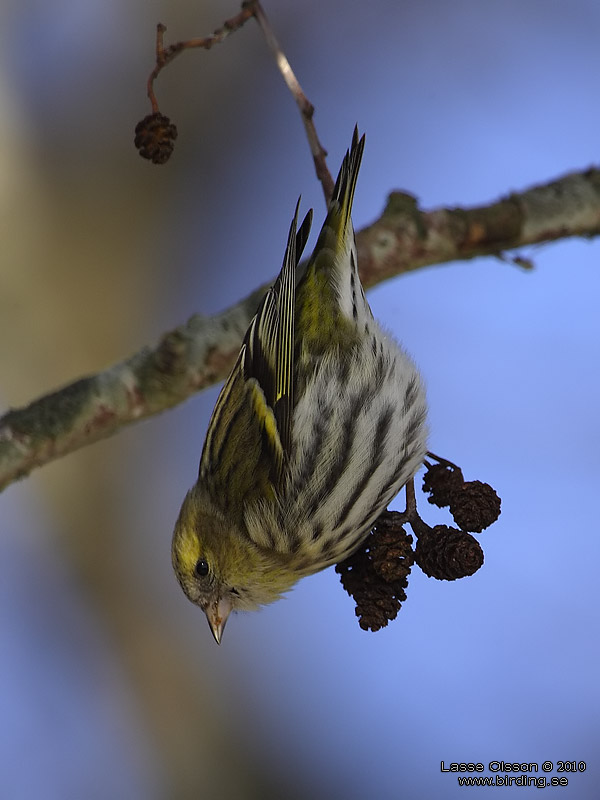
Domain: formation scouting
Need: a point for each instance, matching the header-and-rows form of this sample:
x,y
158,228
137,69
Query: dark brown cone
x,y
376,575
441,481
155,137
475,506
447,554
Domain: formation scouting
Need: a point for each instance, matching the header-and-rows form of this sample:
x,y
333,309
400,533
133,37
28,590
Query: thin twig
x,y
164,55
411,514
441,460
305,107
411,500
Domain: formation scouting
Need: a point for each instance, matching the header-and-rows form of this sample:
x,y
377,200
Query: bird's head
x,y
218,566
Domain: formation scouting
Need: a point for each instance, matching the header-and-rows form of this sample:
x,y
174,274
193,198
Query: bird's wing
x,y
268,348
251,426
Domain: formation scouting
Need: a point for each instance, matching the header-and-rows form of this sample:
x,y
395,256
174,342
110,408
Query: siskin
x,y
319,425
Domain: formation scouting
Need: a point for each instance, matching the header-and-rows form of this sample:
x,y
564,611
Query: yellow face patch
x,y
187,550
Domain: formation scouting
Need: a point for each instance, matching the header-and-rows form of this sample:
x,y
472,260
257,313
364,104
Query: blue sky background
x,y
461,102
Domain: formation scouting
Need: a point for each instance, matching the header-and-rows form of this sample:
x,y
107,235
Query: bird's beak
x,y
217,614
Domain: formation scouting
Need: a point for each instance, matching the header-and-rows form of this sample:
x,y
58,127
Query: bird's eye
x,y
201,568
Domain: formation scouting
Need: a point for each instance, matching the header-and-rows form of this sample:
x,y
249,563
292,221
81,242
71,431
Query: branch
x,y
201,352
405,238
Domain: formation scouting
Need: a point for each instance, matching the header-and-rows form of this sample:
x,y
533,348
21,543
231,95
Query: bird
x,y
321,422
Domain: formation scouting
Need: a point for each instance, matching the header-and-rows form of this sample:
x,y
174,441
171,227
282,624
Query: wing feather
x,y
261,384
269,356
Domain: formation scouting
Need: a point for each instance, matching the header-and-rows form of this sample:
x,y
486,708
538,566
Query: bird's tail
x,y
340,206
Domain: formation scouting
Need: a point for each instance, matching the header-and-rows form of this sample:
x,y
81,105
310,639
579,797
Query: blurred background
x,y
110,682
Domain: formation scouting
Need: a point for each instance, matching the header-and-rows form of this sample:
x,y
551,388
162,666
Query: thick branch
x,y
202,351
